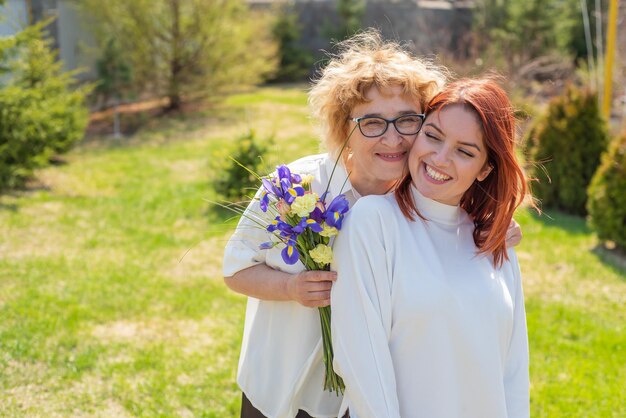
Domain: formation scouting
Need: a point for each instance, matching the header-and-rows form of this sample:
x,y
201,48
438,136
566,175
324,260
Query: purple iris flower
x,y
307,223
317,215
290,253
281,187
336,210
293,192
270,190
265,200
285,175
267,245
284,228
289,235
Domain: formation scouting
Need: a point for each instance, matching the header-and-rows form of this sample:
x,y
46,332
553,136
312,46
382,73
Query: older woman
x,y
428,311
379,89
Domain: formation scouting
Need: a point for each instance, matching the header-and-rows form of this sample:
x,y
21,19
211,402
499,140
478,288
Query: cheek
x,y
414,153
472,170
420,147
415,156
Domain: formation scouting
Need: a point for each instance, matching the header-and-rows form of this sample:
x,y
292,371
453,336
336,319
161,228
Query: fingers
x,y
317,299
318,276
311,288
513,234
317,303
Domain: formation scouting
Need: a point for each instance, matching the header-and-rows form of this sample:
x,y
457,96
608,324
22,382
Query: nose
x,y
441,157
393,137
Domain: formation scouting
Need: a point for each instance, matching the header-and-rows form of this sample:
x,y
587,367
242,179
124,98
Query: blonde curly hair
x,y
366,61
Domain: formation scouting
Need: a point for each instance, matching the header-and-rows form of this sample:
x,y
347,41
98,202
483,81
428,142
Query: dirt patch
x,y
190,336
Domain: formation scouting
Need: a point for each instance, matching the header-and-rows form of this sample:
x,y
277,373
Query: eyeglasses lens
x,y
405,125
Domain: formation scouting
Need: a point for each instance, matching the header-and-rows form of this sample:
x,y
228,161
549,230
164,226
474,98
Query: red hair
x,y
491,202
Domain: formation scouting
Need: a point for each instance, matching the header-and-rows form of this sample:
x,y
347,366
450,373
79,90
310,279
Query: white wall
x,y
77,45
13,17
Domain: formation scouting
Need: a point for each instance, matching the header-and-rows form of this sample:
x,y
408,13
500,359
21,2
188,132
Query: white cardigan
x,y
421,325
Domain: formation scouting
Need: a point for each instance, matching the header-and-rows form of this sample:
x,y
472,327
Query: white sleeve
x,y
361,315
242,250
516,377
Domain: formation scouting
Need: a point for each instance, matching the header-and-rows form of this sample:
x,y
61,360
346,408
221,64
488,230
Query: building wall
x,y
430,27
13,17
77,44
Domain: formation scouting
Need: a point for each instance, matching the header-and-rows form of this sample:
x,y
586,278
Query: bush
x,y
607,194
39,115
236,182
566,144
295,62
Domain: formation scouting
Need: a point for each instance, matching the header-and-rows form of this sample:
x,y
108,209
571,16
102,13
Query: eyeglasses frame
x,y
422,116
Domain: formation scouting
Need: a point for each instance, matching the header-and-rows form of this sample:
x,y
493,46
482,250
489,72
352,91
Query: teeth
x,y
436,175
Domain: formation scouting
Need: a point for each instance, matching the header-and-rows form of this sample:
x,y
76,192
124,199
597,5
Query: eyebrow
x,y
400,113
467,144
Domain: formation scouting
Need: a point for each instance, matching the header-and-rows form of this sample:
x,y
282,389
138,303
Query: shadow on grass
x,y
614,258
10,207
577,226
28,187
574,225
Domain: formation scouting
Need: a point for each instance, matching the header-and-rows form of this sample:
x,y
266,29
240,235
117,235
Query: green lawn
x,y
112,302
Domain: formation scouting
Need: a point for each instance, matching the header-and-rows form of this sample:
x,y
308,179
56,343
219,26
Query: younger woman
x,y
428,310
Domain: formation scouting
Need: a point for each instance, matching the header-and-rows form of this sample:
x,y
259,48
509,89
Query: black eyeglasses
x,y
373,126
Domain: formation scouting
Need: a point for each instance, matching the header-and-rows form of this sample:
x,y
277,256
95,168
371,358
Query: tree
x,y
566,144
295,62
521,30
350,14
41,114
607,194
115,74
186,49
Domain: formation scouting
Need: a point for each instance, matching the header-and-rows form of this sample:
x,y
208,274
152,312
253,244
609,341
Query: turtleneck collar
x,y
435,211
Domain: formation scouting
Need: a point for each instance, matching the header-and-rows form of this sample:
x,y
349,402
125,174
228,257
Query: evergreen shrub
x,y
564,147
607,194
40,114
295,62
236,180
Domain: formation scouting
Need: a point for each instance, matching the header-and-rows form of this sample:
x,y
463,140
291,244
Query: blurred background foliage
x,y
172,55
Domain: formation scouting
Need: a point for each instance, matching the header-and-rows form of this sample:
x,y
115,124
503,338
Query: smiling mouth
x,y
434,174
392,156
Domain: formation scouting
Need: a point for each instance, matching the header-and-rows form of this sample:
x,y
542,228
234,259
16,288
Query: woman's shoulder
x,y
374,206
308,165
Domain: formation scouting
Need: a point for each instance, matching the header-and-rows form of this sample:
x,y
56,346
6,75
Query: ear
x,y
484,172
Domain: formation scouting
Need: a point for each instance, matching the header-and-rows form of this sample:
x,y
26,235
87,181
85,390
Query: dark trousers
x,y
249,411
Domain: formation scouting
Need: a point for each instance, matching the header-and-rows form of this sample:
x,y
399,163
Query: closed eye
x,y
466,153
432,137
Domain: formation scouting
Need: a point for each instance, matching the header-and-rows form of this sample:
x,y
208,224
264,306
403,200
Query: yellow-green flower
x,y
304,205
322,254
328,231
307,179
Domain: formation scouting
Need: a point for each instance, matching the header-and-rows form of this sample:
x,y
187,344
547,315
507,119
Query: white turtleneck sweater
x,y
422,326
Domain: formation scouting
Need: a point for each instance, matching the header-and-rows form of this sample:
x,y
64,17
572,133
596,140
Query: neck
x,y
366,187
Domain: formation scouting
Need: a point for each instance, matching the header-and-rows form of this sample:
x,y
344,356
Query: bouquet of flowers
x,y
304,223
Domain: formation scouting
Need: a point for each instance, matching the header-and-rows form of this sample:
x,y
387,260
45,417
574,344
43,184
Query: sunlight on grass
x,y
113,305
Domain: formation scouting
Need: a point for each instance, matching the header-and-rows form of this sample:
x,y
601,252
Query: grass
x,y
112,301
